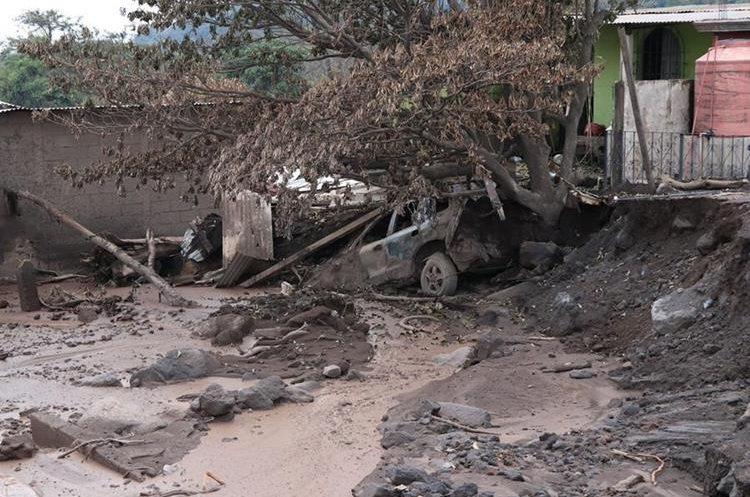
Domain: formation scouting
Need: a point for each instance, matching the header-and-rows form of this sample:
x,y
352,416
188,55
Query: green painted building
x,y
665,44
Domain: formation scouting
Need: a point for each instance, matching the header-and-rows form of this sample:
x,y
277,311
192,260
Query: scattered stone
x,y
355,375
465,490
474,417
230,329
373,490
15,448
395,439
405,475
630,409
332,371
177,365
487,344
459,358
676,310
101,380
511,474
251,398
87,313
298,395
273,387
582,374
216,402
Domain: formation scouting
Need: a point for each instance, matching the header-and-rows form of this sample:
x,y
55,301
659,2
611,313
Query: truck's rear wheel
x,y
439,275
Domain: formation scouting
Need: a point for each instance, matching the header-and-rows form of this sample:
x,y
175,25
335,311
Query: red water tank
x,y
722,89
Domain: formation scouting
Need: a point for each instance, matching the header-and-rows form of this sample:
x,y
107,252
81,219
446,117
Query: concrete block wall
x,y
29,153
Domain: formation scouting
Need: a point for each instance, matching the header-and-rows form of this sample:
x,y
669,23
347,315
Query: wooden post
x,y
170,294
27,292
640,127
618,150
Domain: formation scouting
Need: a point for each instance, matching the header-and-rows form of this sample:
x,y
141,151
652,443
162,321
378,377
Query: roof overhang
x,y
680,15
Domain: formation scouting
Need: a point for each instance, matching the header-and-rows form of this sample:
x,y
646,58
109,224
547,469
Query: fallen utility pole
x,y
297,256
171,297
640,127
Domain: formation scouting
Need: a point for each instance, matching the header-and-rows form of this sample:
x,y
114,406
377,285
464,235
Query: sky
x,y
101,14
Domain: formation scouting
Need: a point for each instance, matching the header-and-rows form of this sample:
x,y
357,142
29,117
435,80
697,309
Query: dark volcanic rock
x,y
177,365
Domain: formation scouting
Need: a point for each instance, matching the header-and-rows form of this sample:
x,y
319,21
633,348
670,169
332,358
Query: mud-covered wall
x,y
29,153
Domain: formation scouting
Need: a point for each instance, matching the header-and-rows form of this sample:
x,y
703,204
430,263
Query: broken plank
x,y
168,292
298,256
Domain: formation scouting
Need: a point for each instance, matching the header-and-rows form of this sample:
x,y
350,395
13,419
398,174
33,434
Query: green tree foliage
x,y
269,67
24,81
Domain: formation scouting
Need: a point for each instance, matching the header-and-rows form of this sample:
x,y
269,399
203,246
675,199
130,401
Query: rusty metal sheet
x,y
247,228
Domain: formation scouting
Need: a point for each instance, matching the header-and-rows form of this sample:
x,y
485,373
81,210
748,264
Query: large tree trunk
x,y
545,199
170,294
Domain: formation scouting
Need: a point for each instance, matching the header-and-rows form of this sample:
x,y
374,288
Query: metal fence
x,y
683,157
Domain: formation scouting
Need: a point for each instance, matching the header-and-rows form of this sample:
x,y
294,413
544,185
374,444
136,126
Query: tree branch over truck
x,y
428,91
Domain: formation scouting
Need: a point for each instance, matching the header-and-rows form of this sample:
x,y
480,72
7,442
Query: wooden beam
x,y
640,126
298,256
168,292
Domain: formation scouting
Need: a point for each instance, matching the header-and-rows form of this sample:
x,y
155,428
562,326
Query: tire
x,y
439,275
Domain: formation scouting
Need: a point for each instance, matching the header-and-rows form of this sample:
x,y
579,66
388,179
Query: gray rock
x,y
252,398
426,408
487,344
630,409
405,475
227,329
297,395
395,439
101,380
466,415
374,490
273,387
355,375
332,371
177,365
465,490
308,386
582,374
87,313
216,402
459,358
541,255
676,310
511,474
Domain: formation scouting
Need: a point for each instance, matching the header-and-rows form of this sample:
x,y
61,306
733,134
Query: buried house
x,y
30,152
692,70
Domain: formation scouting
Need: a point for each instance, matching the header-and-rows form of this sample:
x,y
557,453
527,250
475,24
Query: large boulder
x,y
466,415
216,402
541,255
177,365
677,310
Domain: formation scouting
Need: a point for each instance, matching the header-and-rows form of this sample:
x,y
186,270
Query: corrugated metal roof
x,y
685,14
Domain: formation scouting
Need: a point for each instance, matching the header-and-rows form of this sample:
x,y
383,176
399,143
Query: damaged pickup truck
x,y
434,241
